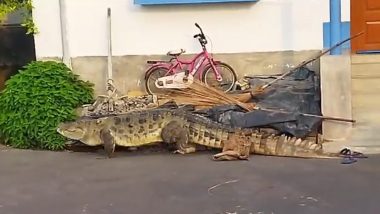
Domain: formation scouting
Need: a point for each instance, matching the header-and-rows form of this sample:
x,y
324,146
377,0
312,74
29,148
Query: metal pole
x,y
110,87
335,24
65,46
109,68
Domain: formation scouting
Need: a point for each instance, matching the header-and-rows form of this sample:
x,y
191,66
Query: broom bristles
x,y
202,96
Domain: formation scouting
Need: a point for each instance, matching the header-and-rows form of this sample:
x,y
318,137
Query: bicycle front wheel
x,y
226,71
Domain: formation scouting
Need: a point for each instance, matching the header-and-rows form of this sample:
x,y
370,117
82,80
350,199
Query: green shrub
x,y
36,99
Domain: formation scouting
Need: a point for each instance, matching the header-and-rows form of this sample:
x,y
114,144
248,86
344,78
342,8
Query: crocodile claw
x,y
229,155
178,151
185,150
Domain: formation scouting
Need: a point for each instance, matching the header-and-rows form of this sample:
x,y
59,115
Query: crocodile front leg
x,y
174,132
237,147
108,142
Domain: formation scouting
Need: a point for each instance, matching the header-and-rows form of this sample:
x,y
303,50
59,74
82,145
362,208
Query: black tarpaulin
x,y
283,104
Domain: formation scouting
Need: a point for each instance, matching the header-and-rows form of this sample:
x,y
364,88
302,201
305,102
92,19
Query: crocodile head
x,y
84,130
74,130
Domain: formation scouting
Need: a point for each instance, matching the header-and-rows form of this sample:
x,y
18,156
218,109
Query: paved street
x,y
159,182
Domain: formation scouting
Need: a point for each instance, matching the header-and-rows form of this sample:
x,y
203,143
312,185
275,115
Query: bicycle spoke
x,y
228,77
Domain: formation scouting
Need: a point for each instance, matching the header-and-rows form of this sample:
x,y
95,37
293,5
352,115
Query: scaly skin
x,y
186,130
241,144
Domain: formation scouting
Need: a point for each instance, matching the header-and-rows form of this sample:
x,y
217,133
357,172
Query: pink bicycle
x,y
213,73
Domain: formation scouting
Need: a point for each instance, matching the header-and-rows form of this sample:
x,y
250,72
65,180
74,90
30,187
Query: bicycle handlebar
x,y
199,27
197,35
202,38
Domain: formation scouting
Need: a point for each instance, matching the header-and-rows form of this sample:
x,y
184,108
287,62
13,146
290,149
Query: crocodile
x,y
187,131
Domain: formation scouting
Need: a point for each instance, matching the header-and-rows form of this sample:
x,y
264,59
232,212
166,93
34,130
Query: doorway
x,y
365,16
16,47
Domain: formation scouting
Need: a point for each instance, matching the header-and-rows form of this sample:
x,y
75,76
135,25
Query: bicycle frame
x,y
194,65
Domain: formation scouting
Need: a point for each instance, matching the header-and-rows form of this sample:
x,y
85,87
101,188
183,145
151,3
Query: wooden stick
x,y
331,118
307,62
311,115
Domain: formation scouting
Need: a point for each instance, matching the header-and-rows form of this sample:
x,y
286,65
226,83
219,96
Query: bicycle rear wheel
x,y
153,75
226,71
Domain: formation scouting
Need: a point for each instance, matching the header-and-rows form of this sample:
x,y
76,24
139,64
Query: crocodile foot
x,y
182,143
174,132
108,142
229,155
185,150
237,147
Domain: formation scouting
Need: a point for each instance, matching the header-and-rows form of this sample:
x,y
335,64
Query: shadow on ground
x,y
160,182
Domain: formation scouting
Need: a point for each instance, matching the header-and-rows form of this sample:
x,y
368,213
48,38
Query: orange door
x,y
365,16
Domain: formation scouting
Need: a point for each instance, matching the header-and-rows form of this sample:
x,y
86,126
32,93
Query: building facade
x,y
257,36
254,36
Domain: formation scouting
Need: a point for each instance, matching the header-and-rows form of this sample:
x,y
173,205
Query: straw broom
x,y
202,96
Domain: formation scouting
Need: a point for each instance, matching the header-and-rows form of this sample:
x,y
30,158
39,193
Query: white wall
x,y
269,25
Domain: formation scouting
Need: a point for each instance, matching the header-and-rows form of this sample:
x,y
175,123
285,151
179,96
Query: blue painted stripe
x,y
335,20
345,32
164,2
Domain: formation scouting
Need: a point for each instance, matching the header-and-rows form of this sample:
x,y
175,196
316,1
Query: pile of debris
x,y
113,103
122,105
291,106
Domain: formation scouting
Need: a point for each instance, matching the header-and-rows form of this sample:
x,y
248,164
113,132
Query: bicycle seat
x,y
176,52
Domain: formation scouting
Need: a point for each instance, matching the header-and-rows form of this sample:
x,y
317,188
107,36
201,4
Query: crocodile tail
x,y
288,147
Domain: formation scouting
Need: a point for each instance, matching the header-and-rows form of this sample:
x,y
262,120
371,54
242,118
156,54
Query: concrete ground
x,y
161,182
